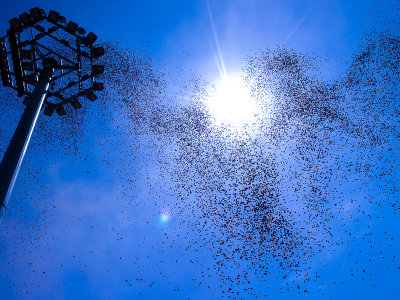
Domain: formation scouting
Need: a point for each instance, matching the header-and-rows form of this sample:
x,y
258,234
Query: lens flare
x,y
164,218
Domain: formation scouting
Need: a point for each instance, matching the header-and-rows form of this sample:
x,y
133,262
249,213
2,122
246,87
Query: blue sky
x,y
169,29
90,226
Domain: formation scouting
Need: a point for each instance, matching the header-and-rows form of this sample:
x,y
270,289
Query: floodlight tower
x,y
53,64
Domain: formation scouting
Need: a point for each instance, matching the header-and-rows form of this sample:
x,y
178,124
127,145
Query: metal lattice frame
x,y
36,36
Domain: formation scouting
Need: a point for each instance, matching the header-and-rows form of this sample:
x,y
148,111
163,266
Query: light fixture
x,y
98,86
48,110
27,66
60,110
4,65
90,39
36,14
97,52
25,18
71,27
32,69
25,54
30,79
53,16
91,96
76,104
14,24
97,69
12,39
81,31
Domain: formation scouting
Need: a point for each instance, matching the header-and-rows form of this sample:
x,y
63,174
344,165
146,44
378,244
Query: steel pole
x,y
15,152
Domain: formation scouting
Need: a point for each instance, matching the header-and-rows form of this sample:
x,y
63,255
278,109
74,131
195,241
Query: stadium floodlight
x,y
91,96
90,39
4,65
60,110
97,70
48,111
53,16
36,14
81,31
19,73
62,19
25,19
71,27
14,24
98,86
27,66
30,79
41,76
76,104
25,54
97,52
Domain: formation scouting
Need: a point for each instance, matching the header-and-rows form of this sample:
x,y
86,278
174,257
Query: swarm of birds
x,y
269,202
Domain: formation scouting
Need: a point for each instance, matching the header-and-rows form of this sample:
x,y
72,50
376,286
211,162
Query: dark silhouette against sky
x,y
240,149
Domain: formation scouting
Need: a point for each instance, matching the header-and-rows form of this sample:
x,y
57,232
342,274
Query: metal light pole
x,y
41,68
15,152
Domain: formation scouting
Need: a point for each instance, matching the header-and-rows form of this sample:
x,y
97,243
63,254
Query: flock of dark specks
x,y
269,202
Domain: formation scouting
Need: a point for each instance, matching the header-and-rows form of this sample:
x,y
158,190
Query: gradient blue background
x,y
104,240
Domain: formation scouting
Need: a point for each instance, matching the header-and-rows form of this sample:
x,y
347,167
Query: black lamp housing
x,y
35,37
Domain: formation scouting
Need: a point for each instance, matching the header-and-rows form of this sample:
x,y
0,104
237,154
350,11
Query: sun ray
x,y
219,58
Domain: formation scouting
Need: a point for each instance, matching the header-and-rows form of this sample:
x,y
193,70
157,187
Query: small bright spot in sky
x,y
164,217
230,102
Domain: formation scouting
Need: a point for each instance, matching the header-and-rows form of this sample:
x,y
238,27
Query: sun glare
x,y
230,102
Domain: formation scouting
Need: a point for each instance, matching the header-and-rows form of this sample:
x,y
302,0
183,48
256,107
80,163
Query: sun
x,y
230,102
